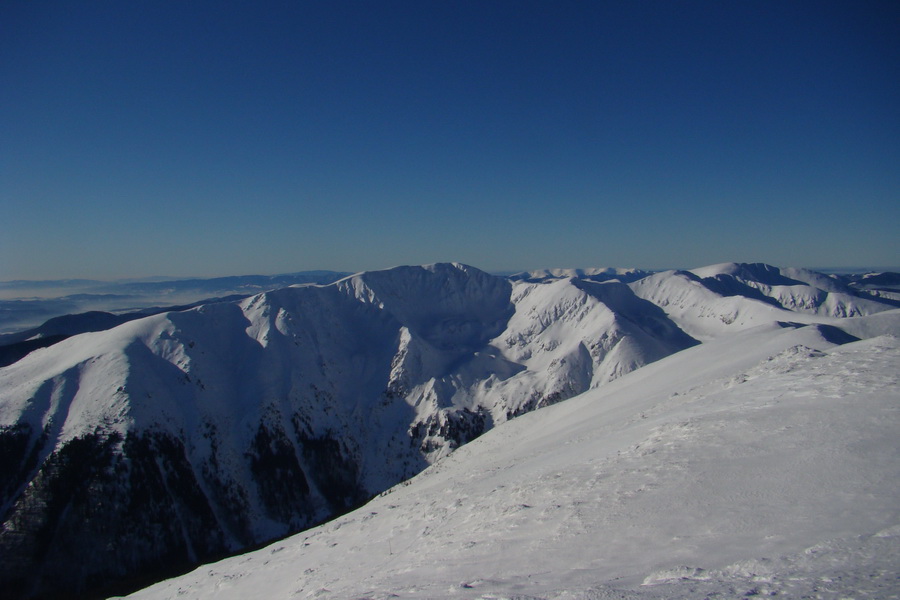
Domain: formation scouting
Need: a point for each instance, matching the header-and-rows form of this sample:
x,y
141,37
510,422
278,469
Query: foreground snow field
x,y
764,463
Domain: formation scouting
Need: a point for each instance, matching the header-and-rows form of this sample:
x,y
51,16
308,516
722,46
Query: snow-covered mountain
x,y
765,464
715,300
592,274
26,304
794,289
183,436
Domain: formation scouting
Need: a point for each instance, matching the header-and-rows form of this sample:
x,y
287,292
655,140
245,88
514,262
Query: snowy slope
x,y
183,436
881,286
794,289
569,326
766,464
713,301
703,312
238,422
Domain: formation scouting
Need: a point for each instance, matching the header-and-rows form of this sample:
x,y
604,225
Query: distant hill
x,y
27,304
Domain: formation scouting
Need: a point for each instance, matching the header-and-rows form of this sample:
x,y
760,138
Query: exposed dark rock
x,y
121,506
283,487
335,473
456,426
19,450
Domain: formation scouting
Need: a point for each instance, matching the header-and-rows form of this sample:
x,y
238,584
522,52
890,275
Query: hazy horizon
x,y
75,281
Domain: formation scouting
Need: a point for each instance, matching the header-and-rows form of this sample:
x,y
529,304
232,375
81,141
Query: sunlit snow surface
x,y
764,463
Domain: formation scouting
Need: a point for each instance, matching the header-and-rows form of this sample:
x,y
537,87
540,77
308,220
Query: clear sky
x,y
203,138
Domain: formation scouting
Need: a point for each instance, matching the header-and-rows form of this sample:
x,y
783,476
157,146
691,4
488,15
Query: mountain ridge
x,y
238,422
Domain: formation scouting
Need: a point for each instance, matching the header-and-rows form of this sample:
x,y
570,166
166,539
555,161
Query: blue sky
x,y
211,138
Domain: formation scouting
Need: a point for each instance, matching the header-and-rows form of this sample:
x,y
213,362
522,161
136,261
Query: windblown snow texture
x,y
184,436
